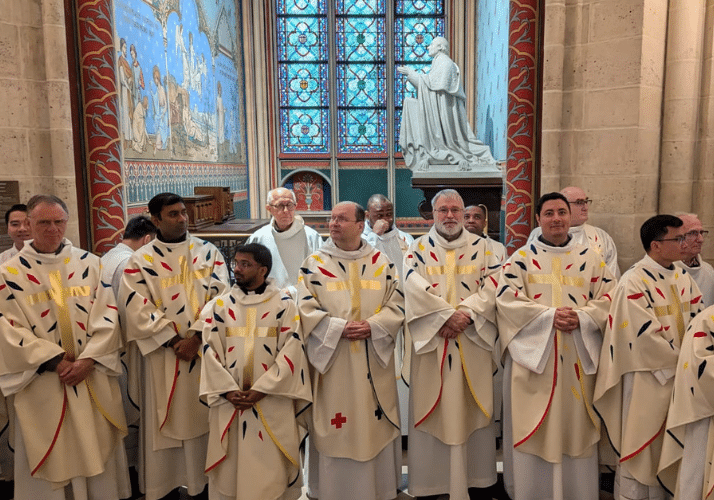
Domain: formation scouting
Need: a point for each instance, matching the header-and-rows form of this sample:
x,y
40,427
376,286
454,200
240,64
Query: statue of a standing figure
x,y
435,134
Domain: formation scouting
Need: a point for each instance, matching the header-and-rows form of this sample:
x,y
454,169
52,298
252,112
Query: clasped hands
x,y
186,349
357,330
456,324
244,400
73,372
566,319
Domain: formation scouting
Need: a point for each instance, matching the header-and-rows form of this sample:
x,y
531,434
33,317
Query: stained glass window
x,y
417,23
303,77
365,49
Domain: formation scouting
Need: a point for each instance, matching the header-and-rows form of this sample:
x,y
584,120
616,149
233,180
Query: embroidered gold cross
x,y
675,310
249,333
59,294
451,270
556,280
187,278
354,285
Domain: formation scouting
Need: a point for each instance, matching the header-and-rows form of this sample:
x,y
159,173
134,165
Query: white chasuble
x,y
254,341
651,308
164,288
688,448
550,375
451,380
357,420
56,304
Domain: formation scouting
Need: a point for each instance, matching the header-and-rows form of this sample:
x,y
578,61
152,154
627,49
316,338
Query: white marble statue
x,y
435,134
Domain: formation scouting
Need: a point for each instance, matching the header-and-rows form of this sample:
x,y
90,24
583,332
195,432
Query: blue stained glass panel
x,y
360,39
361,85
303,130
302,39
420,7
300,85
362,130
416,25
301,7
361,7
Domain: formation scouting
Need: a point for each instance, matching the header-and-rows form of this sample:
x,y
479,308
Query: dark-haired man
x,y
476,222
165,285
60,344
651,308
253,373
17,230
351,310
552,308
138,232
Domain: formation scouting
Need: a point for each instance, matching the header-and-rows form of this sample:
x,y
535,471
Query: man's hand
x,y
75,372
357,330
458,321
244,400
566,319
380,227
187,349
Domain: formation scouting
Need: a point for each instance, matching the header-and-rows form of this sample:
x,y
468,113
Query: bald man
x,y
585,234
287,237
701,271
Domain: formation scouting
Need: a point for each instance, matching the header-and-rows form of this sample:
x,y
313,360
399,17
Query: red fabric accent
x,y
441,386
166,266
131,271
290,364
550,400
264,315
699,334
57,431
171,395
635,296
326,272
375,257
632,455
32,278
535,263
338,420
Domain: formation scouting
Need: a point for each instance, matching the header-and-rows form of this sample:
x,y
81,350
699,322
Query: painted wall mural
x,y
179,77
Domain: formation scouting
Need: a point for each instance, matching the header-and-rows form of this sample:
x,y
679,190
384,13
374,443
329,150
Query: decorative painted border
x,y
101,124
523,85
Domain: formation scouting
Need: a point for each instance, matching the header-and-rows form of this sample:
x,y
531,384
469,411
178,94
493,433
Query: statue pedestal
x,y
474,191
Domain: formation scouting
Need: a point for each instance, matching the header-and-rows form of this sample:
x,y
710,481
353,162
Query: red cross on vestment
x,y
338,420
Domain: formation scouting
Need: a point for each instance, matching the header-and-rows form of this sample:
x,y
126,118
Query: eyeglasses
x,y
445,211
284,206
692,235
241,264
581,203
341,220
678,239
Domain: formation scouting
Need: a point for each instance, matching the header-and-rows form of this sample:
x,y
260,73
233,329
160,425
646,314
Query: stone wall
x,y
36,145
602,106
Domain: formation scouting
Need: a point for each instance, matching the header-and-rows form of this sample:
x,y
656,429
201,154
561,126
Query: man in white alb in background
x,y
702,272
583,233
17,230
381,232
138,232
287,237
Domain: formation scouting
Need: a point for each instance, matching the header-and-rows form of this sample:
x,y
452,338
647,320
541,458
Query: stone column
x,y
36,131
602,109
681,108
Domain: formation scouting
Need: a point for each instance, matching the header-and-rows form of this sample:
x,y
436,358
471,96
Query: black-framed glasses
x,y
692,235
284,206
581,203
242,264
